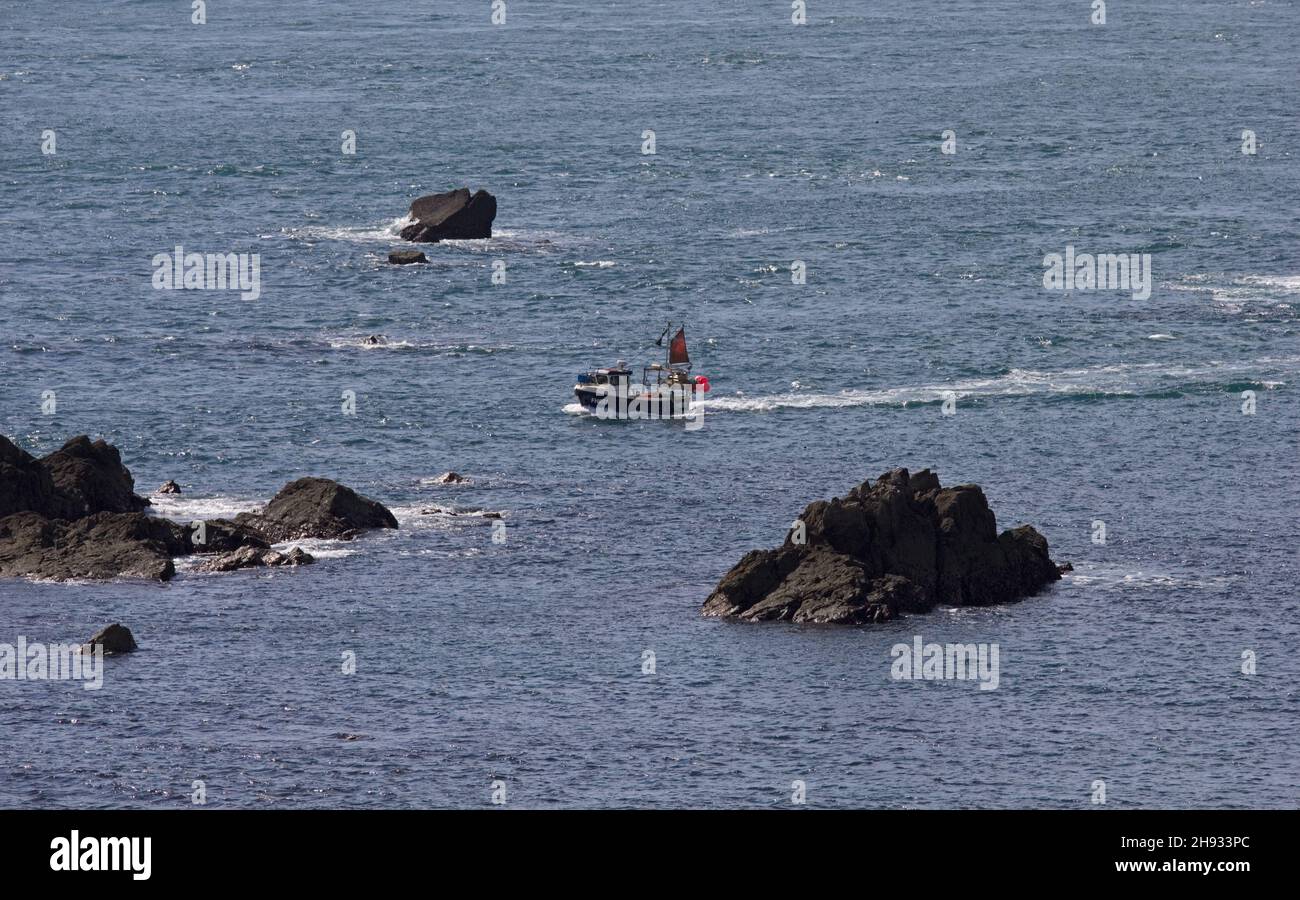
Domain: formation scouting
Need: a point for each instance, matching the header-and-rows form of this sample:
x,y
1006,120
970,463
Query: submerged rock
x,y
404,258
115,639
903,545
169,487
455,215
451,478
317,508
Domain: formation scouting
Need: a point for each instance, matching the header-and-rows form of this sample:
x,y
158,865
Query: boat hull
x,y
650,405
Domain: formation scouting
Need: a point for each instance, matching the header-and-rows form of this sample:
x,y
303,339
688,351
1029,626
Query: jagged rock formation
x,y
903,545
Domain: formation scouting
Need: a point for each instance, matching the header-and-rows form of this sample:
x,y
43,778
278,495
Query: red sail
x,y
677,349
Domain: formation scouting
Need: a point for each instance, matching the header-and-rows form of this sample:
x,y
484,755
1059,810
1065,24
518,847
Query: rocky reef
x,y
74,514
902,545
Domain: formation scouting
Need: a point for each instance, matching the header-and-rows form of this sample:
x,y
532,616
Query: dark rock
x,y
115,639
25,484
375,340
102,546
403,258
224,536
90,478
169,487
76,480
317,508
74,515
454,215
450,478
1065,567
903,545
253,557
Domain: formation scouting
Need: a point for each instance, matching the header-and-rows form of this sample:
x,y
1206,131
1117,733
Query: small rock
x,y
255,557
450,478
115,639
406,257
376,340
169,487
1065,567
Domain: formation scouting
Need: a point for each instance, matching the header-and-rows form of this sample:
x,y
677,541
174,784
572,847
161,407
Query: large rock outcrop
x,y
317,508
453,216
903,545
80,478
74,514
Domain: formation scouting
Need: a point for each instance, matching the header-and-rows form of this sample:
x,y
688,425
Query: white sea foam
x,y
1235,294
320,547
186,508
388,231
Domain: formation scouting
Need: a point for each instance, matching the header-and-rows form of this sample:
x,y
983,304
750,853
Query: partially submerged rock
x,y
450,478
169,487
317,508
455,215
114,639
253,557
903,545
405,258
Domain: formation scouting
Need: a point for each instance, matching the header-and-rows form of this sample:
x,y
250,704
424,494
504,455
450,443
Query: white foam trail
x,y
1288,283
1233,295
1118,380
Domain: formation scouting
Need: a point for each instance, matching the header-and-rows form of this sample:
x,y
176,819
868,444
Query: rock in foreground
x,y
902,545
98,547
455,215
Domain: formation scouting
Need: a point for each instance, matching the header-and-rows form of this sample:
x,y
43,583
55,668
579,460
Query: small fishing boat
x,y
612,394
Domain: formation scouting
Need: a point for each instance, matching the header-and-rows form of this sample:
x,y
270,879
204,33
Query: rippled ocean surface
x,y
522,662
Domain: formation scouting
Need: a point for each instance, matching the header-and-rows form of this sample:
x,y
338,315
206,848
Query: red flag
x,y
677,348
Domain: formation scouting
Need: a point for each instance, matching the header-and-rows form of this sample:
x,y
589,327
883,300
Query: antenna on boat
x,y
660,341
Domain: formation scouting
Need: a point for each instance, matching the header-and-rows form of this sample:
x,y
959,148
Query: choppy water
x,y
522,661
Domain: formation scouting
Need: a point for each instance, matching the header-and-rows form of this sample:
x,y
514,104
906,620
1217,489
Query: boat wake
x,y
1268,295
1125,380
